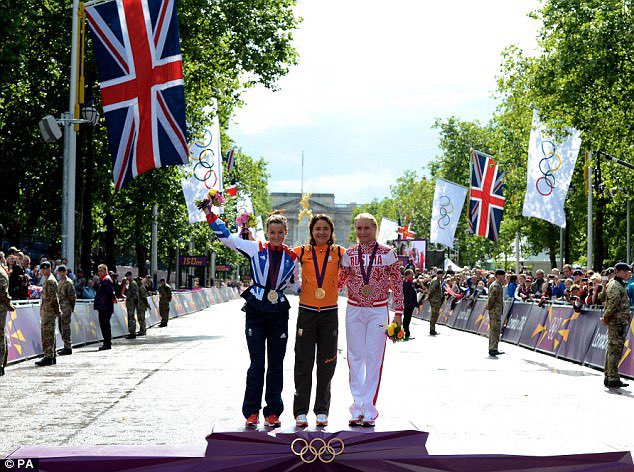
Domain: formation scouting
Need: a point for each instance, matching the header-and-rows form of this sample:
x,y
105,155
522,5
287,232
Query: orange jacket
x,y
307,299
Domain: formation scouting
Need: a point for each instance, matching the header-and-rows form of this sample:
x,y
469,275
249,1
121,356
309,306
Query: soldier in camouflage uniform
x,y
617,316
495,306
49,311
165,297
131,303
67,298
5,306
143,306
435,300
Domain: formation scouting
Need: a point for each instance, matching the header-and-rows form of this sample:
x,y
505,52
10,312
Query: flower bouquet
x,y
213,198
395,332
246,220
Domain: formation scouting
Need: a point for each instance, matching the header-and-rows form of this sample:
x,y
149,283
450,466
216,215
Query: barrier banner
x,y
485,325
534,326
425,310
89,319
119,320
517,319
460,306
626,366
478,316
595,356
155,316
23,332
462,318
508,305
77,329
581,328
556,328
445,311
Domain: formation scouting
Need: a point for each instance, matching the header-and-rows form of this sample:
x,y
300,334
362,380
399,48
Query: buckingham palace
x,y
341,214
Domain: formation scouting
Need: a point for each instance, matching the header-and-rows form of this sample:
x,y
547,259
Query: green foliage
x,y
227,47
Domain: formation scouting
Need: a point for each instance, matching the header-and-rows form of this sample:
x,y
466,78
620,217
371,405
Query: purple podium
x,y
299,450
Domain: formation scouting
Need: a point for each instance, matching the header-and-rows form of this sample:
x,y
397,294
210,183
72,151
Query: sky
x,y
372,78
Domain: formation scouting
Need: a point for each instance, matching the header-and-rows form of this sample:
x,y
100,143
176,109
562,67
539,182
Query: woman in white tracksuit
x,y
369,270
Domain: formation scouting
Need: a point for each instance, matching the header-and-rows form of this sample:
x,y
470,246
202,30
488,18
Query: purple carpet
x,y
256,451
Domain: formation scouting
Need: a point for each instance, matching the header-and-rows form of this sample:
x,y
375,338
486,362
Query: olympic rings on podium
x,y
317,449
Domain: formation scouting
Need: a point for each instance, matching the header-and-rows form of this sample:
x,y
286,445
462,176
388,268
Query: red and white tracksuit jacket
x,y
366,320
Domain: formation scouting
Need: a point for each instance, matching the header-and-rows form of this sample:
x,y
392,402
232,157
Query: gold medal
x,y
366,290
272,296
320,293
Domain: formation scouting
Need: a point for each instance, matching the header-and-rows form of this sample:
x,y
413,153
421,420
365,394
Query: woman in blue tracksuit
x,y
273,268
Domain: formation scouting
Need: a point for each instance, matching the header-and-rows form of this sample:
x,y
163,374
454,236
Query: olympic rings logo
x,y
548,165
317,449
446,209
203,163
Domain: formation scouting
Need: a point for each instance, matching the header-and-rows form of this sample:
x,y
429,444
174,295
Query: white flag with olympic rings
x,y
449,199
550,167
205,167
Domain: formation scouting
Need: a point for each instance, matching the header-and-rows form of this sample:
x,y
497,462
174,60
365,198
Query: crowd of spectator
x,y
25,280
572,285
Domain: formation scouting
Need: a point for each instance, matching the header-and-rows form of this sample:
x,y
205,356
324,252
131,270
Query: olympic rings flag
x,y
205,166
550,167
449,199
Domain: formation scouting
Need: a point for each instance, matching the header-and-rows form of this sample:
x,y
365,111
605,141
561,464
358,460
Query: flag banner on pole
x,y
137,48
205,166
230,161
387,231
449,199
232,190
405,233
486,199
550,167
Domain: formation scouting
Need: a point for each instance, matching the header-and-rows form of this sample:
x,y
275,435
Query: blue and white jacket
x,y
258,254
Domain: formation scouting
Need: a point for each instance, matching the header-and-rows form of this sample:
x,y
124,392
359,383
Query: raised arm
x,y
231,240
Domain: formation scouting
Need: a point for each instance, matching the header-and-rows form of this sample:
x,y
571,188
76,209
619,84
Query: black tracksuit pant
x,y
316,331
267,334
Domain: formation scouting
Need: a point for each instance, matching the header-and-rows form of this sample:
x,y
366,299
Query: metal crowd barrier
x,y
23,328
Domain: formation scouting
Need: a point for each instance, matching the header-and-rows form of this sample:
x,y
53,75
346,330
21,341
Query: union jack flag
x,y
486,199
230,161
138,54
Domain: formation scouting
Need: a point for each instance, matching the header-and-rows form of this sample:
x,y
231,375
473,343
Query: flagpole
x,y
517,252
590,215
561,248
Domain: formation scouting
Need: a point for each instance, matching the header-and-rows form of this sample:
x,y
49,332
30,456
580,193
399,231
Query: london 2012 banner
x,y
550,166
448,202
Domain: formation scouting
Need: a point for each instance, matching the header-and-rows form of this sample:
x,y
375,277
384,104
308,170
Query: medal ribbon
x,y
320,274
366,275
274,268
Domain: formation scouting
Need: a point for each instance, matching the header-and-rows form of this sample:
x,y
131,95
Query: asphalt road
x,y
174,386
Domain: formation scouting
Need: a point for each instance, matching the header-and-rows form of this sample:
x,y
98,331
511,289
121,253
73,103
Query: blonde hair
x,y
103,266
368,216
276,217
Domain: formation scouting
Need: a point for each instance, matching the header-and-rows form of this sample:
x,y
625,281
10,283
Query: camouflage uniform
x,y
67,297
142,307
495,305
49,311
165,297
131,302
617,316
435,300
5,301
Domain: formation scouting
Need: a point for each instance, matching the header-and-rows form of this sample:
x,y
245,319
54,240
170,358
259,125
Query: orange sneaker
x,y
252,421
272,421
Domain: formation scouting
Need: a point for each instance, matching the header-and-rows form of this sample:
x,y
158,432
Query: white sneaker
x,y
322,420
301,421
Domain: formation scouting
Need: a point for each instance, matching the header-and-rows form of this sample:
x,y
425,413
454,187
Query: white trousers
x,y
365,335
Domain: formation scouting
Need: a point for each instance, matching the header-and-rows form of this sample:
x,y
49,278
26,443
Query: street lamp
x,y
90,114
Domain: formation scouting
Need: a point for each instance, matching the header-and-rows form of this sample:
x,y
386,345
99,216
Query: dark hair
x,y
276,217
312,224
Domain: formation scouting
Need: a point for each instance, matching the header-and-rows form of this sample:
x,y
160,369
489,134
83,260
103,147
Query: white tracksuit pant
x,y
365,335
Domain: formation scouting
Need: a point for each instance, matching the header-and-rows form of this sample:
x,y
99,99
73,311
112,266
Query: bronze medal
x,y
366,290
272,296
320,293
